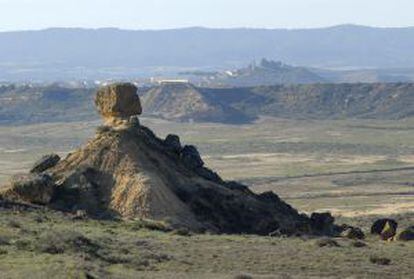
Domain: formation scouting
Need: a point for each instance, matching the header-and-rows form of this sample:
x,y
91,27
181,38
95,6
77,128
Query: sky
x,y
167,14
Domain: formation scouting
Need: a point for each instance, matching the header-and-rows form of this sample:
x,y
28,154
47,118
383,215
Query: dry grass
x,y
264,154
52,245
270,155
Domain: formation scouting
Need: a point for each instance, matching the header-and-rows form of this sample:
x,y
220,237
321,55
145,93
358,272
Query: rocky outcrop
x,y
173,142
127,171
45,163
323,222
31,188
190,157
118,102
352,232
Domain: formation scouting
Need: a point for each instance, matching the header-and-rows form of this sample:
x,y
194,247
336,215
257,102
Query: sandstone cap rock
x,y
118,100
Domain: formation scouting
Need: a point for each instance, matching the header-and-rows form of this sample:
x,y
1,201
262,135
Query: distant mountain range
x,y
185,102
112,53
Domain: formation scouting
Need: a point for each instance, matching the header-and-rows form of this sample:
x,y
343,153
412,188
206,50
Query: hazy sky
x,y
161,14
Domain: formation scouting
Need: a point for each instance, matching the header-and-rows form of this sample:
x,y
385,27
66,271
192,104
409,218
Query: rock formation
x,y
45,163
407,234
388,232
128,172
118,102
379,225
31,188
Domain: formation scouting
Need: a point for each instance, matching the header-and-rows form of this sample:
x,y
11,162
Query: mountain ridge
x,y
55,50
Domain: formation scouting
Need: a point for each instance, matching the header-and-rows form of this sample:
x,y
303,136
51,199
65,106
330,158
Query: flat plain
x,y
349,167
357,169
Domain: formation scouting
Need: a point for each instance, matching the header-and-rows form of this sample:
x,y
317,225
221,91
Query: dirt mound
x,y
184,102
126,171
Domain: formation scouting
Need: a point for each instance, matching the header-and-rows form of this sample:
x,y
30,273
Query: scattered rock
x,y
353,233
182,232
358,244
407,234
45,163
173,142
378,226
379,260
79,192
31,188
191,157
389,231
323,222
118,100
327,242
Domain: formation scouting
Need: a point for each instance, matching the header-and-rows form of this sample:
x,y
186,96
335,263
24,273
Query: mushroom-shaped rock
x,y
119,100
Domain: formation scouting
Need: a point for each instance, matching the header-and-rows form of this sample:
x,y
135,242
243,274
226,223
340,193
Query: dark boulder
x,y
45,163
322,222
31,188
80,191
352,232
208,174
389,231
407,234
379,260
191,158
379,225
173,143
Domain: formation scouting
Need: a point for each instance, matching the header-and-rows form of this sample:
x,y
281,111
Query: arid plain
x,y
357,169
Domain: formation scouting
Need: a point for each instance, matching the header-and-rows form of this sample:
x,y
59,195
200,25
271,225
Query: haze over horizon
x,y
162,14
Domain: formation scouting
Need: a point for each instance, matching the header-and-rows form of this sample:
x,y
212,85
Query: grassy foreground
x,y
47,244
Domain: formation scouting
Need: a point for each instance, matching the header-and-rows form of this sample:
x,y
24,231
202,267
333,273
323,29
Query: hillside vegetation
x,y
185,102
376,101
51,103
